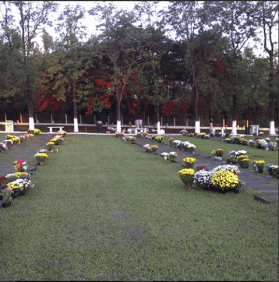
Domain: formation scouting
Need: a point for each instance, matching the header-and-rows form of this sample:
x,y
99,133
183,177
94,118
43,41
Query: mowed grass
x,y
102,209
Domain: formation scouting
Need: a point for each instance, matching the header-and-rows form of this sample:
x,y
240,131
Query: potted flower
x,y
3,182
259,165
191,148
16,187
172,156
183,132
20,165
40,157
272,146
189,162
244,162
6,197
147,148
154,148
201,179
26,184
186,176
224,180
132,139
50,145
145,134
170,141
117,134
240,157
62,133
218,152
159,139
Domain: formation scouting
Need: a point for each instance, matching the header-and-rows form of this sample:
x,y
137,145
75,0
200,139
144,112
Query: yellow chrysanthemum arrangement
x,y
189,162
259,165
159,139
37,131
154,148
40,157
15,187
225,180
186,175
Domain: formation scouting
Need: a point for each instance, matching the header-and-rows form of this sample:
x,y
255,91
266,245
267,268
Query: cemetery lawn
x,y
102,209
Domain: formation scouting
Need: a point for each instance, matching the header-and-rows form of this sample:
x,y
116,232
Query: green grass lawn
x,y
102,209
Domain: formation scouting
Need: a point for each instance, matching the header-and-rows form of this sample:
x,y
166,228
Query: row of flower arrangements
x,y
258,141
14,140
222,178
241,158
18,183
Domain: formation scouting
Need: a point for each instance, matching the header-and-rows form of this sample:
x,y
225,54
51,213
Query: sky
x,y
90,23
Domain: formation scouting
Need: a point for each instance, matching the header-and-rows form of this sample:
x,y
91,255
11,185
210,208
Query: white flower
x,y
10,175
263,143
43,151
202,177
145,146
173,153
164,154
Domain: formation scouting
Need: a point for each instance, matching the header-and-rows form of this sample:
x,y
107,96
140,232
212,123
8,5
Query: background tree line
x,y
134,69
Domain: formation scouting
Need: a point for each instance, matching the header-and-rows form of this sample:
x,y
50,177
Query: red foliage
x,y
134,106
220,66
172,107
48,101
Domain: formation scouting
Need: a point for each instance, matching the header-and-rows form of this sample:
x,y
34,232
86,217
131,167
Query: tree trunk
x,y
75,108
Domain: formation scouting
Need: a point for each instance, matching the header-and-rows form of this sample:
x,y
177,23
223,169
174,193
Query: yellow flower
x,y
57,151
165,157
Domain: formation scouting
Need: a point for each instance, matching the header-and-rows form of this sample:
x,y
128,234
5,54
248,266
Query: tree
x,y
119,44
32,16
268,20
233,19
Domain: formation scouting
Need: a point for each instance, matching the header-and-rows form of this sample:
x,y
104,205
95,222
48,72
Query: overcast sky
x,y
90,23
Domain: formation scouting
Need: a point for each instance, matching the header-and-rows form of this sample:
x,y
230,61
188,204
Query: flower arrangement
x,y
183,132
191,148
11,177
147,148
50,145
261,144
244,162
22,174
272,146
36,131
201,135
172,156
30,135
3,182
9,143
186,176
176,143
228,140
201,179
225,180
3,146
189,162
240,157
118,134
40,157
16,140
62,133
57,140
26,184
258,165
218,152
7,196
170,141
159,139
154,148
261,133
20,165
132,139
145,134
16,187
192,134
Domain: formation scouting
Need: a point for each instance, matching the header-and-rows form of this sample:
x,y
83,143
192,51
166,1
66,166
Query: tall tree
x,y
235,20
32,16
119,43
268,20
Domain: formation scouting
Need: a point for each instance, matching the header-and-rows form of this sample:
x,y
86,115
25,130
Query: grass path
x,y
102,209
